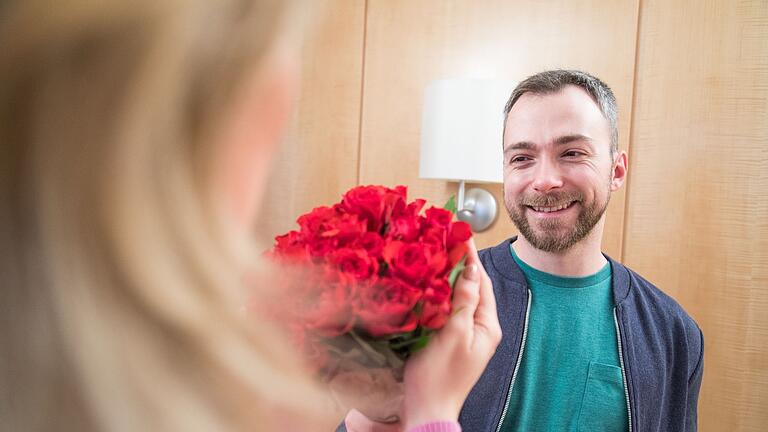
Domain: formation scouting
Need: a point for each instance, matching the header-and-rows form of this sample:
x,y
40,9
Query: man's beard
x,y
553,236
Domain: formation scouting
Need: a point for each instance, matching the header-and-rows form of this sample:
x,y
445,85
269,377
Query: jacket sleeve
x,y
694,384
436,426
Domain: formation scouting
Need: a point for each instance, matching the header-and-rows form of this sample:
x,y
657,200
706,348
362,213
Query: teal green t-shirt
x,y
569,378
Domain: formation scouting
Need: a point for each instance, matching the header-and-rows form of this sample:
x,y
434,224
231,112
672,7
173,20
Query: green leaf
x,y
404,343
419,343
450,205
400,335
456,270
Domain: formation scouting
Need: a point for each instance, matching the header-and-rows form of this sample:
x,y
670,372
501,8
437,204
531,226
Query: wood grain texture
x,y
410,43
319,159
697,220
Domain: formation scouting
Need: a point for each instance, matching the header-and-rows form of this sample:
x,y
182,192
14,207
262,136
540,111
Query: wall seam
x,y
630,143
362,96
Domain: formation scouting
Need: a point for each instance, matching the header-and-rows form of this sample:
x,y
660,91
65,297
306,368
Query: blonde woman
x,y
134,142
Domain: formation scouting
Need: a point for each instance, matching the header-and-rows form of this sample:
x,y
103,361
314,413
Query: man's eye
x,y
518,159
573,153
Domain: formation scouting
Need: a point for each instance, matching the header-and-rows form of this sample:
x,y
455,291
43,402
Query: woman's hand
x,y
439,377
355,421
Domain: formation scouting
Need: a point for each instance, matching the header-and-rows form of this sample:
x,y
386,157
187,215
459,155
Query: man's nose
x,y
547,177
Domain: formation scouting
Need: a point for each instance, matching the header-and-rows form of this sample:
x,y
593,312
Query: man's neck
x,y
582,259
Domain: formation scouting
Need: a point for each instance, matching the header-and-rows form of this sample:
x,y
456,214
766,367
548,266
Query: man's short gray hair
x,y
555,80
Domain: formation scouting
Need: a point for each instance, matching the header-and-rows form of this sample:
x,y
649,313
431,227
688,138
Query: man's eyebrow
x,y
567,139
522,145
563,140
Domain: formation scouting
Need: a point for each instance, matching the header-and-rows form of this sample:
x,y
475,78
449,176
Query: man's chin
x,y
550,228
548,240
552,246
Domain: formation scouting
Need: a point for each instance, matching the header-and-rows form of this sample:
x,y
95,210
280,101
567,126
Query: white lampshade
x,y
461,132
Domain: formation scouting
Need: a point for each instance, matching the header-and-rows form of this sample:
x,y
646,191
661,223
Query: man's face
x,y
558,170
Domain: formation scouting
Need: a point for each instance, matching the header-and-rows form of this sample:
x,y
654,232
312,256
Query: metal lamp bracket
x,y
477,207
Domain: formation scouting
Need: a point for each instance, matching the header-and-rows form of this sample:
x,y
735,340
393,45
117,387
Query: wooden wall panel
x,y
319,159
410,43
694,217
697,220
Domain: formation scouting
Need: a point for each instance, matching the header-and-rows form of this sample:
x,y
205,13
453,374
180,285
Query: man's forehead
x,y
536,117
569,97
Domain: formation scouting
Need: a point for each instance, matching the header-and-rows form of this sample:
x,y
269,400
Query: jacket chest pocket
x,y
603,407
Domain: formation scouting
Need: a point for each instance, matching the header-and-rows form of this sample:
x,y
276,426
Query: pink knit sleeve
x,y
438,426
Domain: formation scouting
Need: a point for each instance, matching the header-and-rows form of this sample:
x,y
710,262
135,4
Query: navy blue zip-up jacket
x,y
661,350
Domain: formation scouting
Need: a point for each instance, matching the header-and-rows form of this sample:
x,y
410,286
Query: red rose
x,y
325,230
459,233
415,207
405,228
374,204
457,253
439,290
321,247
386,307
394,199
372,262
414,263
436,307
435,315
438,217
366,202
401,209
372,243
345,228
355,262
312,223
435,236
325,304
290,245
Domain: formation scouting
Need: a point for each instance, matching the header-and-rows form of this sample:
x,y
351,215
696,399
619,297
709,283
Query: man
x,y
588,345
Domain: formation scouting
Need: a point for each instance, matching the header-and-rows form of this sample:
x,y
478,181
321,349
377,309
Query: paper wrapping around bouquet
x,y
375,392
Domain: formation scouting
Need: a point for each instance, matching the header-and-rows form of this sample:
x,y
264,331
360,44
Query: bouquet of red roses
x,y
376,281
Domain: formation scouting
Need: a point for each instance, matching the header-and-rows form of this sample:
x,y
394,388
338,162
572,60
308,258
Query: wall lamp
x,y
461,141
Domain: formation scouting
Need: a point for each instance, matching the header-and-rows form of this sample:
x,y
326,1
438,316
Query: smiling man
x,y
588,344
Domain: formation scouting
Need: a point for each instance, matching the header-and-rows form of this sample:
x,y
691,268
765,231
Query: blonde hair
x,y
122,293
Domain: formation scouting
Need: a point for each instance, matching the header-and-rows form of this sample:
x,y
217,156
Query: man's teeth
x,y
551,209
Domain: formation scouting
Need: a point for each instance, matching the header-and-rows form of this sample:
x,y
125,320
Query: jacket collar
x,y
506,266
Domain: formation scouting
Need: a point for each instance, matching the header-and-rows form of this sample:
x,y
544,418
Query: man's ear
x,y
619,171
250,133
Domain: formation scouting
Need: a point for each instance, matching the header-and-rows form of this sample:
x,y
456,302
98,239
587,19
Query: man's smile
x,y
551,211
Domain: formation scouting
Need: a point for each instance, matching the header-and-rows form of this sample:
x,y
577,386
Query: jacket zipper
x,y
517,364
623,371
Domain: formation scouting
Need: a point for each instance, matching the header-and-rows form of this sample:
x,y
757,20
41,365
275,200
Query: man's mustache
x,y
550,200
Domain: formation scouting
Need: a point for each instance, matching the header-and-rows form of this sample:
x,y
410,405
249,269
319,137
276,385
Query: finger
x,y
472,256
466,296
355,421
473,262
486,316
